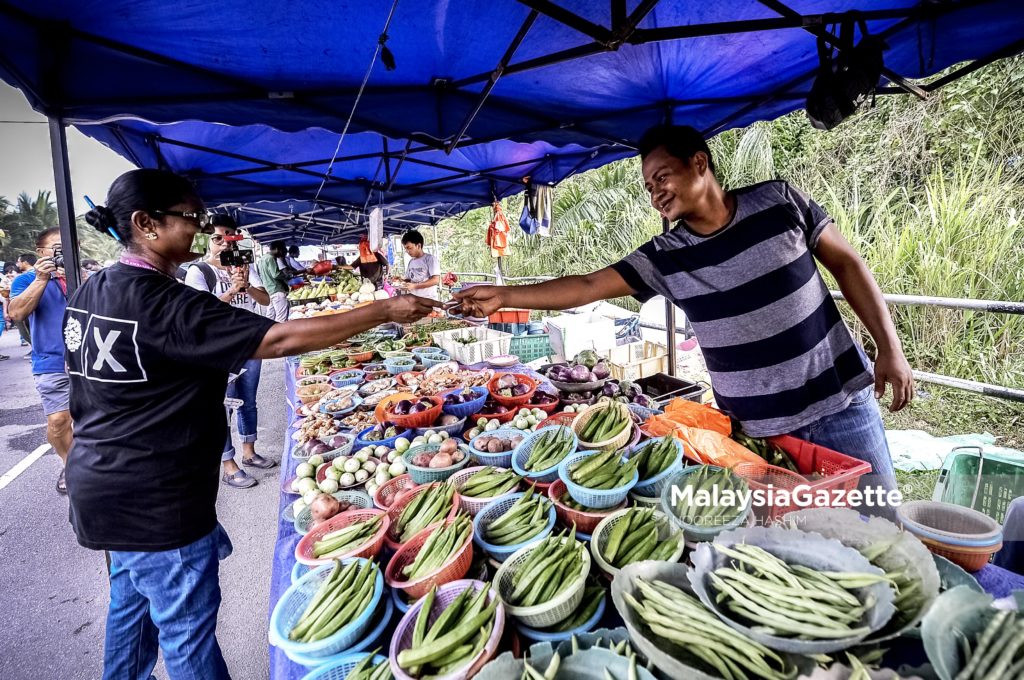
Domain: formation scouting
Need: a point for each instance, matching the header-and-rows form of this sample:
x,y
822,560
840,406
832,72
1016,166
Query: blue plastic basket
x,y
399,366
298,571
436,359
356,401
493,511
294,601
339,669
652,487
644,412
522,453
467,409
389,442
593,498
399,602
423,475
504,459
537,635
453,430
351,376
421,351
375,638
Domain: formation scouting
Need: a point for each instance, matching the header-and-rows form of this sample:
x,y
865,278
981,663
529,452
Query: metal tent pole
x,y
670,318
65,204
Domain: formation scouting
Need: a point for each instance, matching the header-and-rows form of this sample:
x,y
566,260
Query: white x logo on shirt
x,y
103,347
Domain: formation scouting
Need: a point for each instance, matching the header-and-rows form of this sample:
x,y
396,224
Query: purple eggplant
x,y
520,389
403,407
610,389
601,371
580,374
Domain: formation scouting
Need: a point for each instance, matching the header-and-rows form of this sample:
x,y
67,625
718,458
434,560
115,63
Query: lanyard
x,y
140,263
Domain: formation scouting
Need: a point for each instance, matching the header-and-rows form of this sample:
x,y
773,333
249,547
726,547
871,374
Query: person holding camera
x,y
39,297
239,286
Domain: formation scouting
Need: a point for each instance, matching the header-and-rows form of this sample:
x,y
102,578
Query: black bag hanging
x,y
847,80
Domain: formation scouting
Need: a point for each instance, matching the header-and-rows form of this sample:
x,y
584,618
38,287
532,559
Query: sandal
x,y
258,461
62,486
239,480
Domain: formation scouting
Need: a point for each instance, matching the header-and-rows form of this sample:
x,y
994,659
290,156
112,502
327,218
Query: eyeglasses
x,y
202,219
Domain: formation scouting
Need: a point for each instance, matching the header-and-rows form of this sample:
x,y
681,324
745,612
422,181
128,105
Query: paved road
x,y
54,594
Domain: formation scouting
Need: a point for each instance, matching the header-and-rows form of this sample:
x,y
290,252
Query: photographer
x,y
149,361
40,297
239,286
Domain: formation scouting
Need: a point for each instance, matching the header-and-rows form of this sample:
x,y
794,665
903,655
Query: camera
x,y
58,257
232,255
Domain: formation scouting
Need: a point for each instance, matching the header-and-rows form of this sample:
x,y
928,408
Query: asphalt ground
x,y
54,593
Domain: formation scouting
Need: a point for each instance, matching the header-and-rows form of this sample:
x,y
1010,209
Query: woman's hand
x,y
239,279
408,308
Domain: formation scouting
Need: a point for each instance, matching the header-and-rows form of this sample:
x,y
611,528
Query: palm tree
x,y
36,213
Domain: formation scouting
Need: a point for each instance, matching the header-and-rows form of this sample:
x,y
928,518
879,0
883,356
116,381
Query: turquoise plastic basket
x,y
352,376
491,512
652,487
423,475
340,668
503,459
593,498
359,500
692,532
522,453
435,359
375,638
294,601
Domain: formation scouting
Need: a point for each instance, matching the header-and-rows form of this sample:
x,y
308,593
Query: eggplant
x,y
418,407
507,380
403,407
579,374
611,389
520,389
601,371
643,400
499,410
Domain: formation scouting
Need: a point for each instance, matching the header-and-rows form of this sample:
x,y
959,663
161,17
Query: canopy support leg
x,y
670,318
65,204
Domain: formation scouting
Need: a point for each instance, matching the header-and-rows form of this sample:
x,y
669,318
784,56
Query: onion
x,y
507,380
324,507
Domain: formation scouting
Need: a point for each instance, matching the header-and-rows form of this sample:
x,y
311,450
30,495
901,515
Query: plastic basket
x,y
390,540
503,459
356,499
421,419
356,402
468,408
616,442
487,344
666,531
431,360
599,499
369,549
642,412
1001,480
653,486
425,475
838,471
547,613
454,568
502,418
693,532
293,603
522,454
584,521
387,492
472,505
397,354
348,376
399,366
644,501
359,356
446,594
548,408
536,635
949,524
339,669
343,450
376,637
530,347
522,399
360,442
425,349
453,430
305,381
969,559
490,513
399,601
558,419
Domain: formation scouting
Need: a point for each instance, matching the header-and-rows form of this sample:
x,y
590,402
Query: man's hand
x,y
239,279
479,301
45,268
409,308
892,368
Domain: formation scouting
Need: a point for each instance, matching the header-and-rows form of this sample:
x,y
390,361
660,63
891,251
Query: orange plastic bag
x,y
714,448
692,414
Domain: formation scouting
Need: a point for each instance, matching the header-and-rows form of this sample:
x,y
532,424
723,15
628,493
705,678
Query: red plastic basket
x,y
510,316
369,550
390,540
500,417
512,401
390,490
558,419
585,522
548,408
453,569
421,419
837,470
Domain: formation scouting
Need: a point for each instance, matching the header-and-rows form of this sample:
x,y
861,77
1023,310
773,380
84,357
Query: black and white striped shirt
x,y
779,354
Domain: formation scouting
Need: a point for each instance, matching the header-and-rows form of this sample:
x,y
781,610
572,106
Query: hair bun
x,y
102,219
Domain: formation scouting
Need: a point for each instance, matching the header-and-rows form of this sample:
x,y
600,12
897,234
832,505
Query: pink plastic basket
x,y
446,594
391,541
369,550
389,491
474,505
452,570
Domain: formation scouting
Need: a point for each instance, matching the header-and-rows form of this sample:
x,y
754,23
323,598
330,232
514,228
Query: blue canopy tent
x,y
466,73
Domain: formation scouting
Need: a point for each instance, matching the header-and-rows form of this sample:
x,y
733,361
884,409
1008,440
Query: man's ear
x,y
700,162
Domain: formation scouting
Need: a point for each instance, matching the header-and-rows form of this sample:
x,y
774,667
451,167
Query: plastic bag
x,y
692,414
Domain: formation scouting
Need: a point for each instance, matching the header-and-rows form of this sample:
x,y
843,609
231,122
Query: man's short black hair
x,y
224,220
10,267
28,258
412,236
293,251
681,141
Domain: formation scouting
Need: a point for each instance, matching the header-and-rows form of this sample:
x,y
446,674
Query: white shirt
x,y
194,277
421,269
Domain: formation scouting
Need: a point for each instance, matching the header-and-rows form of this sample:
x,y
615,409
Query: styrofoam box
x,y
570,334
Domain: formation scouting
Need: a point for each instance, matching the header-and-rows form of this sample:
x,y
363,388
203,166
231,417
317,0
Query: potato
x,y
448,446
494,446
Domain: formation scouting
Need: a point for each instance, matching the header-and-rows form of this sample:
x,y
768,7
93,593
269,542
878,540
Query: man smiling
x,y
742,265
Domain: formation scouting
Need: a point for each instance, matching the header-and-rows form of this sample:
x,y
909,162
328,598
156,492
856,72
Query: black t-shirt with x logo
x,y
148,360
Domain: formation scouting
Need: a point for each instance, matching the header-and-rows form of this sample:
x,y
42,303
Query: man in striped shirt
x,y
742,266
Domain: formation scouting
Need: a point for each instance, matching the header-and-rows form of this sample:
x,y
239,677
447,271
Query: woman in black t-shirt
x,y
148,360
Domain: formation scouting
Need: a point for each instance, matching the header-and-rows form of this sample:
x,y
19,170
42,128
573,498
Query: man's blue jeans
x,y
170,598
858,431
244,388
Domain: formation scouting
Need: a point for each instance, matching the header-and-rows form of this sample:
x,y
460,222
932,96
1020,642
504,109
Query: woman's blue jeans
x,y
169,599
244,388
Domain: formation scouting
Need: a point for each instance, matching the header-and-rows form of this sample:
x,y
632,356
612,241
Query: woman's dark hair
x,y
44,235
412,236
147,190
681,141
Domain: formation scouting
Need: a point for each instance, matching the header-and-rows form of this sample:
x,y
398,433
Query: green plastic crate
x,y
530,347
1002,480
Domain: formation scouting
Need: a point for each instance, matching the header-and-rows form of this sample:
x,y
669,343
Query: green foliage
x,y
23,221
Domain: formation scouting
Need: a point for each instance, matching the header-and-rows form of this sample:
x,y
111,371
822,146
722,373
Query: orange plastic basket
x,y
970,559
521,400
387,492
391,541
421,419
453,569
558,419
369,550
